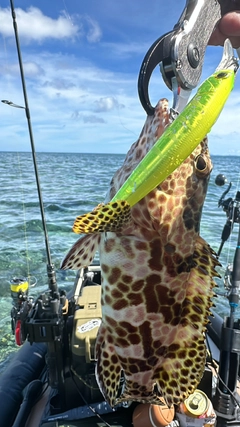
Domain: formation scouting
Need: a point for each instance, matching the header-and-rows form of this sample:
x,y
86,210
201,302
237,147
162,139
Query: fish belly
x,y
156,294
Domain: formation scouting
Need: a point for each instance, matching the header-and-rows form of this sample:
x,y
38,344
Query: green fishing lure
x,y
170,150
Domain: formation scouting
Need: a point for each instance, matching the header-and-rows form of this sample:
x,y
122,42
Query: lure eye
x,y
221,75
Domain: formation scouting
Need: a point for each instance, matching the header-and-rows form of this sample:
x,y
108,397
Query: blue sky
x,y
81,62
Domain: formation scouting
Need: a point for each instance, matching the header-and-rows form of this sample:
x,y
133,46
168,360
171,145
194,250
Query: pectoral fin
x,y
109,217
82,253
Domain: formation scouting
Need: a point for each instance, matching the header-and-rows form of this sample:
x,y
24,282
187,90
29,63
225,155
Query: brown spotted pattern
x,y
109,217
156,282
82,253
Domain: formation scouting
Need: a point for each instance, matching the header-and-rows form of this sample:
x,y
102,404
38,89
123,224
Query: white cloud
x,y
33,25
94,32
73,89
31,69
59,83
93,119
63,100
107,103
126,50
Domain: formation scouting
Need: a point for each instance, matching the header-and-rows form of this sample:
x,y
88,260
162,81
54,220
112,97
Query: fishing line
x,y
230,255
20,167
67,13
82,380
85,401
24,219
6,60
215,368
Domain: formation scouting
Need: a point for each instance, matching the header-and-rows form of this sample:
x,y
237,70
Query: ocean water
x,y
73,184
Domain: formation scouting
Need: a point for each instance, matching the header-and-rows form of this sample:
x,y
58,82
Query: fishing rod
x,y
226,401
44,320
50,265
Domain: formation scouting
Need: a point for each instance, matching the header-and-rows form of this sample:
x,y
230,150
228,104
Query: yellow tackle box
x,y
87,319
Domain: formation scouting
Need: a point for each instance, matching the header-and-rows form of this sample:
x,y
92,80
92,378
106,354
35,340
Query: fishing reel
x,y
42,320
226,403
227,278
38,320
231,207
22,303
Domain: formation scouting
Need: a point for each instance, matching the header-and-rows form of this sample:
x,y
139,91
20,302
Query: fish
x,y
168,152
157,272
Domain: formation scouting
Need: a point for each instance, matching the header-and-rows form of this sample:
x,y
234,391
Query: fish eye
x,y
221,75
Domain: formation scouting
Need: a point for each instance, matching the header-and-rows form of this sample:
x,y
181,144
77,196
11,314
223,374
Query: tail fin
x,y
109,217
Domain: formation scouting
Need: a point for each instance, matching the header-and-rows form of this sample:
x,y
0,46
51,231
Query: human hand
x,y
228,27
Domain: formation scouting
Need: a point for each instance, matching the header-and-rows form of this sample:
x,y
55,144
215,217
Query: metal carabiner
x,y
180,52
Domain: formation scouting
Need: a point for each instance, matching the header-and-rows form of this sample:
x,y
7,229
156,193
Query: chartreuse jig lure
x,y
170,150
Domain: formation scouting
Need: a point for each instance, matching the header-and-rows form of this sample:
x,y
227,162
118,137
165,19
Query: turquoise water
x,y
71,185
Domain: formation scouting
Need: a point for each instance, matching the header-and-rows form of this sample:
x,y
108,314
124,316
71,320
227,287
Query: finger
x,y
230,24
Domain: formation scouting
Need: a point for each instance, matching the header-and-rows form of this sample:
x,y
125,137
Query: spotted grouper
x,y
157,272
156,281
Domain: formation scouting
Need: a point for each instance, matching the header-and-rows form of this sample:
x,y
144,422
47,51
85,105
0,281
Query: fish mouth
x,y
228,61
